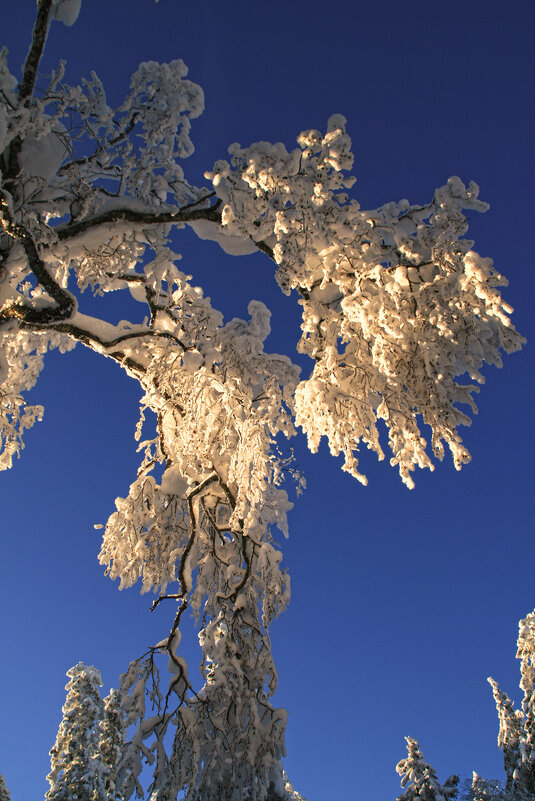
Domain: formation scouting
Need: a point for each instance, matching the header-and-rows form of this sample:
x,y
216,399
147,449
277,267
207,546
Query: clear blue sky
x,y
403,602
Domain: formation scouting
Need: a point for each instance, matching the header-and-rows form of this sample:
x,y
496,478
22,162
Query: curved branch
x,y
182,596
64,300
92,339
187,214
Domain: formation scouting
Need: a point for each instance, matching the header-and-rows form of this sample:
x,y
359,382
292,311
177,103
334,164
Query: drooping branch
x,y
92,339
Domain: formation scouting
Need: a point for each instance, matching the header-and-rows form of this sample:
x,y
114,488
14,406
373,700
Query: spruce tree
x,y
77,771
4,792
112,731
420,780
479,789
509,736
526,653
292,795
516,736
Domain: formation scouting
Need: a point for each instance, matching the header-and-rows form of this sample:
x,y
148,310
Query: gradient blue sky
x,y
403,602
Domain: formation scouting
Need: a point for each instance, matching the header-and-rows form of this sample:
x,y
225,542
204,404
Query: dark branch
x,y
65,303
265,249
187,214
128,363
89,338
10,157
33,58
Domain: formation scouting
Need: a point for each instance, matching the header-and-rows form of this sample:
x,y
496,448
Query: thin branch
x,y
164,598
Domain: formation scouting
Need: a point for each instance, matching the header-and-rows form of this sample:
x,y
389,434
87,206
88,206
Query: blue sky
x,y
402,602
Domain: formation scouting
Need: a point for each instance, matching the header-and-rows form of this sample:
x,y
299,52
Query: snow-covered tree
x,y
479,789
291,794
111,740
509,735
516,736
395,303
77,771
4,792
419,779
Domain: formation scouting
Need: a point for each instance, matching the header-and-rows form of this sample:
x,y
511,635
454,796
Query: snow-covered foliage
x,y
77,770
478,789
516,736
419,779
4,792
395,302
21,361
292,794
111,740
396,307
90,742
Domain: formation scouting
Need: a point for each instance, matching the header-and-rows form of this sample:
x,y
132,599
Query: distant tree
x,y
478,789
516,736
4,792
420,780
77,771
291,794
395,305
111,741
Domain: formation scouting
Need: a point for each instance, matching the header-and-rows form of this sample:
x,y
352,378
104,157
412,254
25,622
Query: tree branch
x,y
187,214
40,30
10,165
88,338
65,302
264,247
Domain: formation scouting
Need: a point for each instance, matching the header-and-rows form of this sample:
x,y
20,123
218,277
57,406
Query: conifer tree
x,y
4,792
479,789
112,731
292,794
516,736
77,771
509,734
420,780
526,653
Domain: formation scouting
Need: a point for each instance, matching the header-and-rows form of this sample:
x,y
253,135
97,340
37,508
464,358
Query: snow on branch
x,y
395,303
396,306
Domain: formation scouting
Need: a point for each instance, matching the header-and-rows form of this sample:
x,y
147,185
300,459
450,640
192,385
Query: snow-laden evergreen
x,y
396,306
4,792
291,794
111,741
479,789
77,771
516,736
419,779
